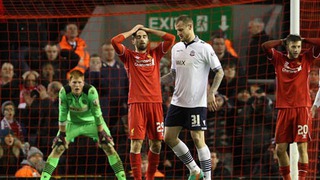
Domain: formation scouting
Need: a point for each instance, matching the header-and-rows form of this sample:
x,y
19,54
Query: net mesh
x,y
241,132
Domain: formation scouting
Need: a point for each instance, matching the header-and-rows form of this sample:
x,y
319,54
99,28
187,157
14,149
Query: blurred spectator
x,y
231,82
217,167
118,83
98,79
242,99
71,42
258,66
49,117
10,154
227,42
33,165
268,163
62,60
314,82
48,74
9,84
220,48
220,124
258,124
31,104
240,105
29,90
9,121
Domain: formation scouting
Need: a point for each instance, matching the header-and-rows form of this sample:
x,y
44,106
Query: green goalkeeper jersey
x,y
80,109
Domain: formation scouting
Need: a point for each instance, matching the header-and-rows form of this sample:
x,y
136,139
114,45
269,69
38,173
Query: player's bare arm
x,y
153,31
315,42
267,46
168,38
168,78
212,104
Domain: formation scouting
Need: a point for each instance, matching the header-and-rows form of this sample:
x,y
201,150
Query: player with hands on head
x,y
145,99
293,100
192,59
80,114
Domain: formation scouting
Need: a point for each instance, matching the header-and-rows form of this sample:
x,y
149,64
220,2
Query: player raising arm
x,y
80,114
145,100
192,59
293,99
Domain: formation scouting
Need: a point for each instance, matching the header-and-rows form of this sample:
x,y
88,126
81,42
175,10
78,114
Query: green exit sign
x,y
206,21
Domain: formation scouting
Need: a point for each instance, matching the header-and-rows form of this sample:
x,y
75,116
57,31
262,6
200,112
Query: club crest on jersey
x,y
192,53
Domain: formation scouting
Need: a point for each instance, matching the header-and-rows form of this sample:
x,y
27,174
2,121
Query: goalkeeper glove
x,y
104,138
60,140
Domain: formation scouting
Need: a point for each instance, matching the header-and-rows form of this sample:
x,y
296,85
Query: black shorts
x,y
188,118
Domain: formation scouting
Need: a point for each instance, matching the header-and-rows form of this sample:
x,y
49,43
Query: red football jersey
x,y
143,71
292,79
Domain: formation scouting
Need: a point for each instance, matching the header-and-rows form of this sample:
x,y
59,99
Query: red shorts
x,y
293,125
145,118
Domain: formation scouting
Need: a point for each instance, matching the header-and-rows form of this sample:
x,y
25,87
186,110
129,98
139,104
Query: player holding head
x,y
192,59
80,114
145,99
293,100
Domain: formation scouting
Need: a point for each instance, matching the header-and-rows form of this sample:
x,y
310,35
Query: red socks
x,y
153,160
285,172
303,170
135,162
302,167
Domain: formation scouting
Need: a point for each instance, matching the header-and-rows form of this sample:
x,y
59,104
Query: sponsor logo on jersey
x,y
77,109
289,69
144,62
181,62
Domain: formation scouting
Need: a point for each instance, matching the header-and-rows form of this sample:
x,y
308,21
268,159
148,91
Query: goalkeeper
x,y
80,114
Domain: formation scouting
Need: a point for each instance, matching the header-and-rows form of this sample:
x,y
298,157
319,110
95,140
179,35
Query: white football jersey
x,y
192,63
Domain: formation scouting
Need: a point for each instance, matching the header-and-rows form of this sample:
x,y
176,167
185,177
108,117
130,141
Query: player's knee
x,y
281,150
198,142
169,140
136,146
155,146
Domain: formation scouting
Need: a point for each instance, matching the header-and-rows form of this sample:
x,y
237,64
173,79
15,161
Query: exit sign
x,y
205,21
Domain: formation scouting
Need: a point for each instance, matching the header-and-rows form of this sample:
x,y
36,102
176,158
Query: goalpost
x,y
294,29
